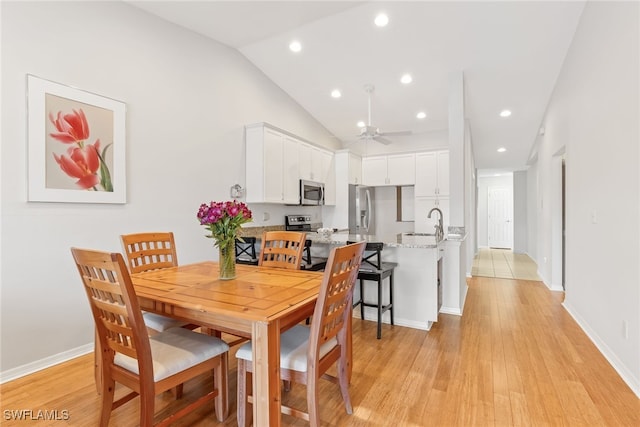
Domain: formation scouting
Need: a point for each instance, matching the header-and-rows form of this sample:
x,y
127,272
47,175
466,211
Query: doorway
x,y
500,218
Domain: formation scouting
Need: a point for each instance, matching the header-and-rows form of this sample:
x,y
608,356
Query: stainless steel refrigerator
x,y
361,210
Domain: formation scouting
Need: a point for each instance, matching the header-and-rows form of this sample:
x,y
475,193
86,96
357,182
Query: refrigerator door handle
x,y
367,196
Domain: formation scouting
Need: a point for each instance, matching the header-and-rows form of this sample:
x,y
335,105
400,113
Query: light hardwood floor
x,y
515,358
503,263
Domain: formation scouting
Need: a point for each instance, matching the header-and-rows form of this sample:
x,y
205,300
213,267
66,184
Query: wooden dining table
x,y
259,304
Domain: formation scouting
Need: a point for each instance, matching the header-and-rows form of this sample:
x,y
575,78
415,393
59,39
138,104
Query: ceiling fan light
x,y
381,20
406,79
360,124
295,46
421,115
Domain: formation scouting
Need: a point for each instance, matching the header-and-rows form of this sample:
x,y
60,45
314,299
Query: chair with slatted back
x,y
153,251
146,365
282,249
374,269
306,353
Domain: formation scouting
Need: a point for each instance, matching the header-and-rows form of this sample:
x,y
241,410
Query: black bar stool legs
x,y
373,269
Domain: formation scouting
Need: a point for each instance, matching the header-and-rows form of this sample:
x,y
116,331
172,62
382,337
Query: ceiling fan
x,y
369,132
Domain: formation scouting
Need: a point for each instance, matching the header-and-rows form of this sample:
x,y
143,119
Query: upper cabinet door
x,y
398,169
432,174
304,157
355,169
291,173
273,167
401,169
374,171
443,173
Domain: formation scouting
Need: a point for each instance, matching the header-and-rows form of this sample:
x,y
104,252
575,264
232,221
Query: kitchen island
x,y
417,296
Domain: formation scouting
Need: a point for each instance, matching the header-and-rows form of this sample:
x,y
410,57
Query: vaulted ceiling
x,y
510,53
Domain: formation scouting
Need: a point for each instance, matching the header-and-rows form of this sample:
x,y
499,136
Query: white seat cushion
x,y
293,349
175,350
160,323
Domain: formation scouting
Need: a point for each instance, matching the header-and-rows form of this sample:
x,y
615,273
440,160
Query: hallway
x,y
504,264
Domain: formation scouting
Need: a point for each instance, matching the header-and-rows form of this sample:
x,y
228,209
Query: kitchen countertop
x,y
391,241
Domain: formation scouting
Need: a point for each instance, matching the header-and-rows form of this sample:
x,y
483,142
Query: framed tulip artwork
x,y
76,145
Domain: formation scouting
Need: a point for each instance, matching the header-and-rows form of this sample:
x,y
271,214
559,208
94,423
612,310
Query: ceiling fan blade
x,y
398,133
382,140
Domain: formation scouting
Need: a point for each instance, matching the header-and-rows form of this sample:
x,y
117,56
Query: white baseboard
x,y
556,287
47,362
626,374
424,326
451,310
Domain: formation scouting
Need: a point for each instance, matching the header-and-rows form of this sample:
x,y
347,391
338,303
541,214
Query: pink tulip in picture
x,y
76,145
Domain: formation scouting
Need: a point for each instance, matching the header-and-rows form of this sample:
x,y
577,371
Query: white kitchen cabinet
x,y
329,178
271,166
432,174
355,169
422,206
314,162
397,169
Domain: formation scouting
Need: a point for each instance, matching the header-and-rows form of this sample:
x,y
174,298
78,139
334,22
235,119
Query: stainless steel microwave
x,y
311,193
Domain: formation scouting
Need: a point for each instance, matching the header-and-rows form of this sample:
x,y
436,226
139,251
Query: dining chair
x,y
306,353
282,249
146,365
246,251
373,269
153,251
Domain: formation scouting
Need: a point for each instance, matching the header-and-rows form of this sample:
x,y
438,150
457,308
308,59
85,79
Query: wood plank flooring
x,y
503,263
515,358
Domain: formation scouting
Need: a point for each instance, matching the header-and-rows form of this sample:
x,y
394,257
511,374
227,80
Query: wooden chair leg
x,y
221,383
147,408
312,402
108,390
244,413
343,381
179,389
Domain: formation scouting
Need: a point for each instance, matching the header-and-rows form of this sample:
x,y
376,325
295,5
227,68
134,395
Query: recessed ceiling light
x,y
501,150
406,79
336,93
361,124
505,113
421,115
295,46
382,20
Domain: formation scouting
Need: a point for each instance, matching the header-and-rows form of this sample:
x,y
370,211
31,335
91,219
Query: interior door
x,y
500,216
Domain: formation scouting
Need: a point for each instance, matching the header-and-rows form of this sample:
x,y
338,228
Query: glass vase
x,y
227,262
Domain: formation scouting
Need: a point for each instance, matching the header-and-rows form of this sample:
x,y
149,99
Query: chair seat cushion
x,y
175,350
293,349
160,323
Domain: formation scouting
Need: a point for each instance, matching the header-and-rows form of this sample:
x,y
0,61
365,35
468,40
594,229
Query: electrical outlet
x,y
265,216
625,329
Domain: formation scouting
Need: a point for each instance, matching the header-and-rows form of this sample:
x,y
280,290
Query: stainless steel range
x,y
303,223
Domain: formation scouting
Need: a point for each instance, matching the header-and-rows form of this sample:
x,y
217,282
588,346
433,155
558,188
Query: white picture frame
x,y
76,145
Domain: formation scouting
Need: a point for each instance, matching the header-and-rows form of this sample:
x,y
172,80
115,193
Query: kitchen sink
x,y
418,234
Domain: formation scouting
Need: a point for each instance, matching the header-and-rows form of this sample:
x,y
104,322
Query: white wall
x,y
594,113
187,99
484,182
520,207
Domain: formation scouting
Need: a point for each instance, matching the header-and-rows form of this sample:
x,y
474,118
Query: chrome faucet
x,y
440,226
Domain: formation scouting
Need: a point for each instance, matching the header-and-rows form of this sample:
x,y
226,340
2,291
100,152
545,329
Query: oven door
x,y
311,193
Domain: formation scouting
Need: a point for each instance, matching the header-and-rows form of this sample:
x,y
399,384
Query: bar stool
x,y
372,268
246,251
